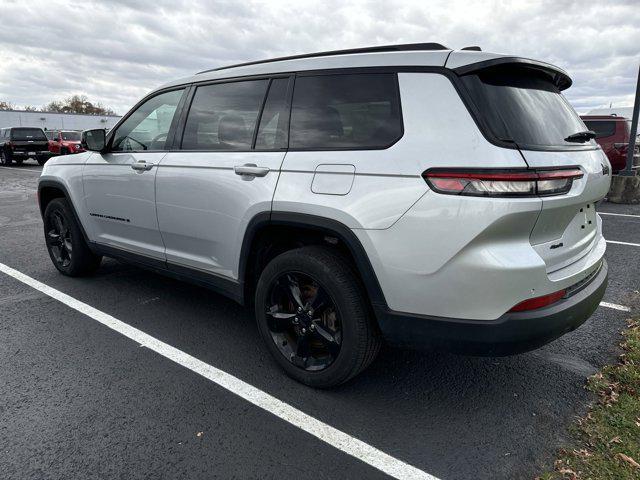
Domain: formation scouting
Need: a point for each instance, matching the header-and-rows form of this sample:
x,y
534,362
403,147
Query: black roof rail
x,y
381,48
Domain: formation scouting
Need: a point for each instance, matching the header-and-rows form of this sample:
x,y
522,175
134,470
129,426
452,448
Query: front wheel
x,y
65,243
314,317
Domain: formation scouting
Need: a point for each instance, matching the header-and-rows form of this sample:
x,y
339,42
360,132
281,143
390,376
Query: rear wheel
x,y
65,243
314,317
5,158
19,161
41,160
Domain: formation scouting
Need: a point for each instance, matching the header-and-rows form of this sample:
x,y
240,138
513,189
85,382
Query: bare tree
x,y
78,104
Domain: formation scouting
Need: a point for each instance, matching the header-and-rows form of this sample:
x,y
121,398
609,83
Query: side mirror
x,y
94,140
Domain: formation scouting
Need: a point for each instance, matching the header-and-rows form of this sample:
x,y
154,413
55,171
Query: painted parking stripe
x,y
328,434
619,214
21,170
615,306
624,243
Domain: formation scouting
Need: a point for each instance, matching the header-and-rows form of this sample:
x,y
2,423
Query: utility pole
x,y
628,171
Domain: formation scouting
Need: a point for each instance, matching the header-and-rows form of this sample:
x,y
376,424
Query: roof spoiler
x,y
559,77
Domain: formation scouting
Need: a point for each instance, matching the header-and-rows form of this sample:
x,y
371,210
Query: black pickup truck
x,y
19,143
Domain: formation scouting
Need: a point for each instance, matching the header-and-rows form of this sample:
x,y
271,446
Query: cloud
x,y
115,52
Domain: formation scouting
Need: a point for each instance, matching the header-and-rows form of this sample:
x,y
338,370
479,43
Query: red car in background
x,y
64,142
612,134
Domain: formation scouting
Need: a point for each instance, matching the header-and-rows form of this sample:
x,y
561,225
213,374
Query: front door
x,y
119,185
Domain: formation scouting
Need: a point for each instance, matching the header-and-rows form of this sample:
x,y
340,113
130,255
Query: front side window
x,y
345,111
523,106
223,116
147,128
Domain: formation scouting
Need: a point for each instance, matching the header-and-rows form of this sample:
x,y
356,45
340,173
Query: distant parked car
x,y
612,133
64,142
19,143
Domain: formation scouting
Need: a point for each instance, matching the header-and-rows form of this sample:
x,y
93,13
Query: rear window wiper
x,y
581,136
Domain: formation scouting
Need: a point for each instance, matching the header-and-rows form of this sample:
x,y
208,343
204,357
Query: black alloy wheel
x,y
303,321
59,239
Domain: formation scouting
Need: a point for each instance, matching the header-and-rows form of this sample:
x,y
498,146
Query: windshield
x,y
522,105
27,134
71,136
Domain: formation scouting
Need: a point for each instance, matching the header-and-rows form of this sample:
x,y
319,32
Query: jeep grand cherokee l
x,y
410,193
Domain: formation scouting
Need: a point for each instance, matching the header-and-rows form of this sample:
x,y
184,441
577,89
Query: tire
x,y
64,151
41,160
328,274
5,158
19,161
65,243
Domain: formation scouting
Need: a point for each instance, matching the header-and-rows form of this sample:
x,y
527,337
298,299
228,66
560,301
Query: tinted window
x,y
602,128
224,116
71,136
28,134
272,133
345,111
148,127
524,106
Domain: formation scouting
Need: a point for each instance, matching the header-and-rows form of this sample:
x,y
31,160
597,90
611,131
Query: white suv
x,y
413,193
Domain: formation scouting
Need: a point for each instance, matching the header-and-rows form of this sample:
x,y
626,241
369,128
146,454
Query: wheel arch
x,y
49,190
304,226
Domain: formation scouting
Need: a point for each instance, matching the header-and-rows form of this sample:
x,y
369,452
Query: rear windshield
x,y
603,128
71,136
522,105
27,134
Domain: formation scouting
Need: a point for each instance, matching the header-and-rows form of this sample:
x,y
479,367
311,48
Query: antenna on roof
x,y
473,48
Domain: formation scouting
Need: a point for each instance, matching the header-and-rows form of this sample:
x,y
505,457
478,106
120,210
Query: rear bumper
x,y
510,334
37,153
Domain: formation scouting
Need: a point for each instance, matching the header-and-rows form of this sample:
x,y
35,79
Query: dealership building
x,y
56,121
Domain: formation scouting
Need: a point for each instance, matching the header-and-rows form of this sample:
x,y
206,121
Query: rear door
x,y
222,172
523,106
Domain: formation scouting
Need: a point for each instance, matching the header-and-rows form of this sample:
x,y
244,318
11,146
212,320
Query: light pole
x,y
628,171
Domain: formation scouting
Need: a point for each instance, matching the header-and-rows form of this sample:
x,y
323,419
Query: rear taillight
x,y
539,302
501,183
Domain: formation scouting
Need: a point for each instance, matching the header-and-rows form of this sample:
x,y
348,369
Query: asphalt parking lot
x,y
79,400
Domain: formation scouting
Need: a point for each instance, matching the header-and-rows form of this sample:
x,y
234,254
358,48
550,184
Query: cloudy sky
x,y
116,51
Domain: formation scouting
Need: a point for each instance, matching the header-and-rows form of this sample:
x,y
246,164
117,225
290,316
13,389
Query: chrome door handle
x,y
141,165
251,170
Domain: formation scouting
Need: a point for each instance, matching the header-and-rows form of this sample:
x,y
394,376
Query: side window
x,y
345,111
274,122
223,116
148,127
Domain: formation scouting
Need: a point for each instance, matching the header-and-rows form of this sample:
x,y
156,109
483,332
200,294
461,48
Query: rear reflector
x,y
539,302
501,183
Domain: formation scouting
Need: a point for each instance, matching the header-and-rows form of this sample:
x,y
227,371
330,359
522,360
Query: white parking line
x,y
624,243
615,306
619,214
328,434
21,170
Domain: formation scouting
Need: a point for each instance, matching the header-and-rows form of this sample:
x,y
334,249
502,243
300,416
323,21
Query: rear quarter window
x,y
522,105
345,111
